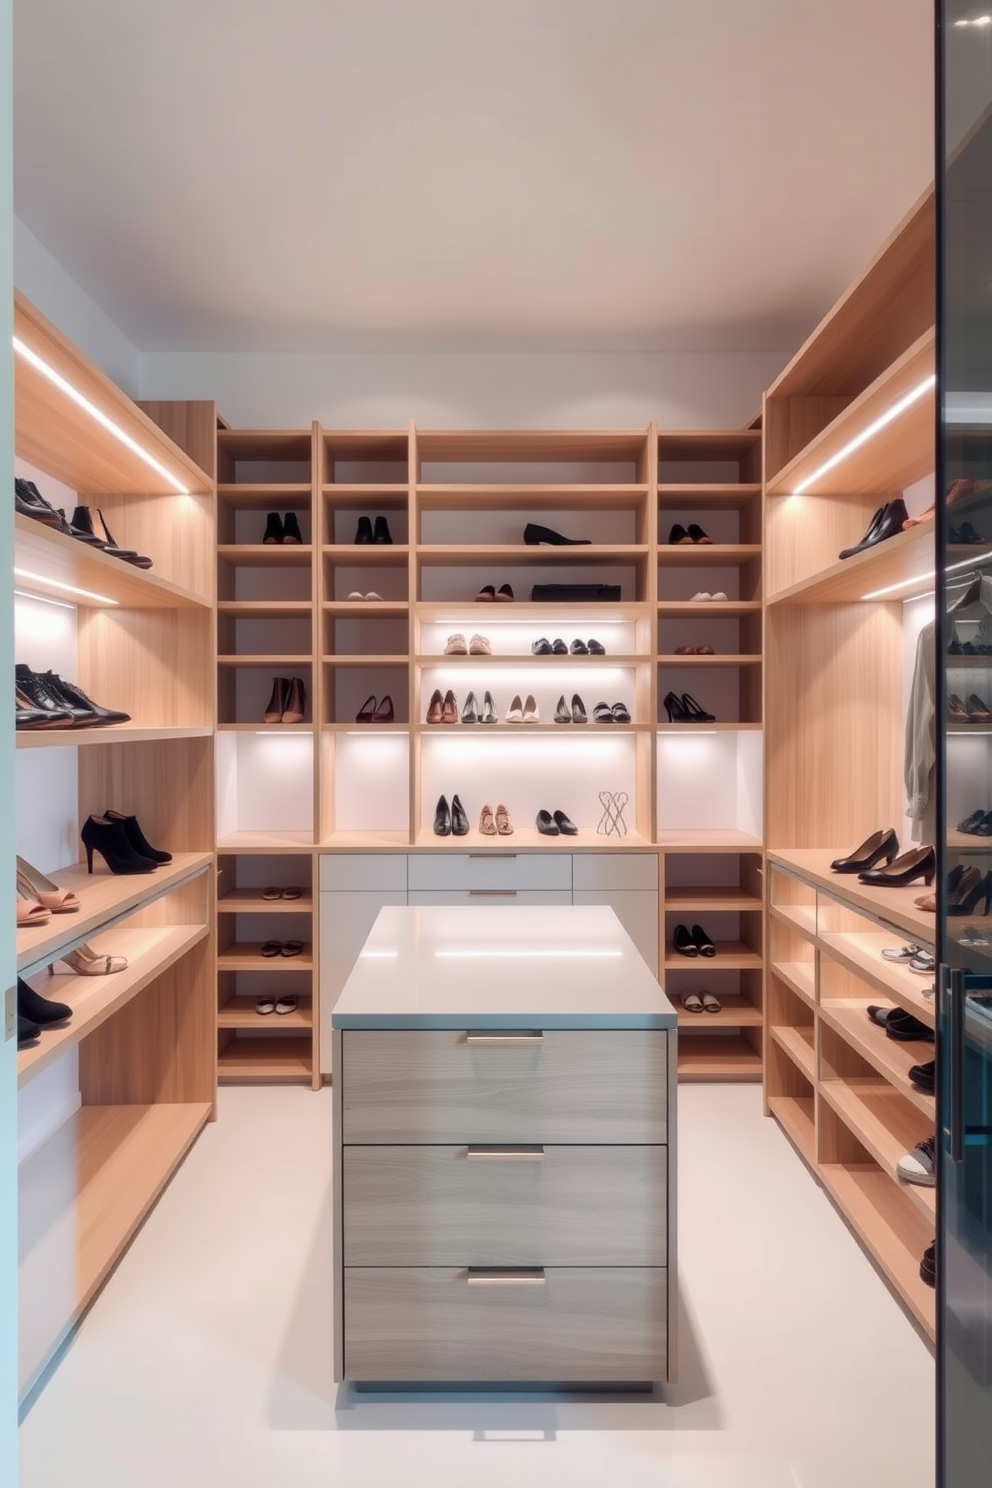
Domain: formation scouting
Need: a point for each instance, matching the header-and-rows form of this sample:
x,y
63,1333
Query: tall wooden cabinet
x,y
112,1100
848,426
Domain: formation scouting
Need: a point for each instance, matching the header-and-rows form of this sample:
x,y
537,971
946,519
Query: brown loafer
x,y
449,708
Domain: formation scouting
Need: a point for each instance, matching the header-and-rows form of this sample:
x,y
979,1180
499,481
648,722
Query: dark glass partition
x,y
964,743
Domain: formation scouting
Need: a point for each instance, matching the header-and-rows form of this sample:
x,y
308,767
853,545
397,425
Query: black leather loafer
x,y
578,648
683,942
541,647
559,648
534,533
566,828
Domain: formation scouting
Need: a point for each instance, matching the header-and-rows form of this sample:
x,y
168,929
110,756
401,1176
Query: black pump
x,y
137,838
110,840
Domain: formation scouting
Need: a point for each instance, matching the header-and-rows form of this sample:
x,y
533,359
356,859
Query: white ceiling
x,y
331,174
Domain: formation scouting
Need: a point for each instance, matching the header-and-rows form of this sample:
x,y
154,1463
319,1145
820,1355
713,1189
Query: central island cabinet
x,y
504,1144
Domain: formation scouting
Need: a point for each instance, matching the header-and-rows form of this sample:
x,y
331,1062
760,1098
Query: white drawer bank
x,y
355,886
504,1151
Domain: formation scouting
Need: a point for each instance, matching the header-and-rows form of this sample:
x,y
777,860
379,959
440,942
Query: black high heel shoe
x,y
879,845
693,712
967,905
920,862
110,840
442,818
459,821
137,838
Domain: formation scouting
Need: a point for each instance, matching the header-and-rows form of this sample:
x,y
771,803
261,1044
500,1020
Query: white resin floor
x,y
205,1361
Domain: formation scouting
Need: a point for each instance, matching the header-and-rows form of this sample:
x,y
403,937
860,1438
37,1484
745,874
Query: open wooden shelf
x,y
723,496
893,907
482,613
688,729
267,1060
264,842
361,609
706,840
247,955
795,1115
747,659
105,897
263,555
513,663
861,951
50,563
592,730
892,1058
263,496
267,609
899,568
112,733
530,495
366,495
250,901
800,917
891,1228
730,955
368,555
887,1126
467,555
240,1012
288,659
355,841
717,1057
94,999
710,899
707,609
894,457
706,555
799,977
798,1044
82,1196
56,434
735,1012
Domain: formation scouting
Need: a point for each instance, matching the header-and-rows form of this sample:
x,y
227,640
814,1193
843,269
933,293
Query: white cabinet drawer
x,y
496,870
362,871
637,913
447,1086
630,871
568,1324
481,897
508,1206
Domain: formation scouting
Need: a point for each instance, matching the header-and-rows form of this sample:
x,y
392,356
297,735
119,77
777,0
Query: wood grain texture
x,y
431,1324
189,423
168,786
156,665
442,1206
573,1086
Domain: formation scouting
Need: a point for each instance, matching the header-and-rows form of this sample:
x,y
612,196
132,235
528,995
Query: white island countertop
x,y
509,966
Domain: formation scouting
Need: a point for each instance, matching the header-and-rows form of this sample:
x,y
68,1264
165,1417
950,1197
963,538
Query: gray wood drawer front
x,y
357,871
630,872
494,869
567,1324
543,1206
568,1086
480,898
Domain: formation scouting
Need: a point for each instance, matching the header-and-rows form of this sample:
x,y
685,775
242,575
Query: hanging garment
x,y
921,749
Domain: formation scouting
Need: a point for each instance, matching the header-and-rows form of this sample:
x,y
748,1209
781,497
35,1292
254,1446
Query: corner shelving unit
x,y
848,425
141,1040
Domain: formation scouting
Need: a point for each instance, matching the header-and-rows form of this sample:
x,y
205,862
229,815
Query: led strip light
x,y
913,396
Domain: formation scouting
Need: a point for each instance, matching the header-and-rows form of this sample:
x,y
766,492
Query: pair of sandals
x,y
280,1005
273,893
700,1002
282,948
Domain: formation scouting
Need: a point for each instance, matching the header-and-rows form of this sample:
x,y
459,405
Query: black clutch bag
x,y
575,593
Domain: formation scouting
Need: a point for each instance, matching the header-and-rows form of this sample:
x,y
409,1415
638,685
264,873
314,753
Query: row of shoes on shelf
x,y
443,709
919,862
42,700
681,536
975,710
557,647
452,821
691,943
287,701
893,518
87,524
977,824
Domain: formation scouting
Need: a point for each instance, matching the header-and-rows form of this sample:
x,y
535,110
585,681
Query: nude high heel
x,y
85,961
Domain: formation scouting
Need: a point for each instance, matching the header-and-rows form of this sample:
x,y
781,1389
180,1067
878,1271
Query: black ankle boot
x,y
33,1008
364,531
137,838
291,529
109,839
381,531
274,532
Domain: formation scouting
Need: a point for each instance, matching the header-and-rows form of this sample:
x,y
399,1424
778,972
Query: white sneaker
x,y
456,646
532,713
515,712
918,1166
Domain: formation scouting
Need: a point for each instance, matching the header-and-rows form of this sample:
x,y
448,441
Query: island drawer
x,y
574,1086
505,1206
491,870
558,1324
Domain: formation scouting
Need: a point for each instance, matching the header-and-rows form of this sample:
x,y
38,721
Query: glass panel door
x,y
963,708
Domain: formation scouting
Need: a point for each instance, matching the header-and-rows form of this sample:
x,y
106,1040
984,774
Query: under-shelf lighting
x,y
282,733
97,414
897,408
60,604
25,573
547,953
903,584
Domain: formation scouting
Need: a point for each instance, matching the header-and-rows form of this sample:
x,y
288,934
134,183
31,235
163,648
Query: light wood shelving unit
x,y
143,1038
834,739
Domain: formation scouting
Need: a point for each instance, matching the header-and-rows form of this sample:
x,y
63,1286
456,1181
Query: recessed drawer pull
x,y
490,857
534,1036
505,1154
492,893
478,1276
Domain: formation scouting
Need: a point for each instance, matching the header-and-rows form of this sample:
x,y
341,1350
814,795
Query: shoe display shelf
x,y
268,567
848,426
837,1084
112,1099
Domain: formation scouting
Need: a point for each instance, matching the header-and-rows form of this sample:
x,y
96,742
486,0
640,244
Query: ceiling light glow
x,y
97,414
